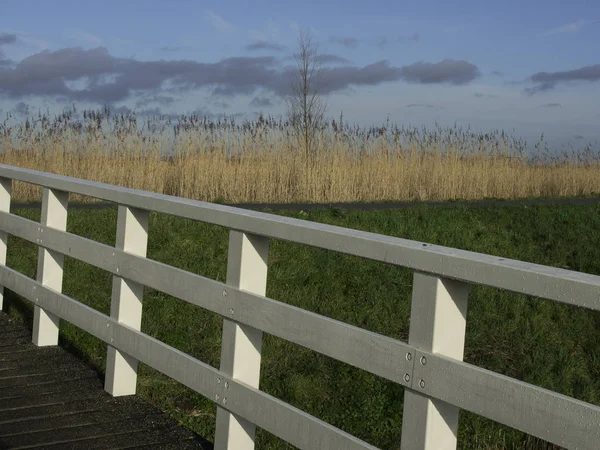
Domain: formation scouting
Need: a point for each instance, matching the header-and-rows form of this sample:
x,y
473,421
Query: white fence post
x,y
126,303
50,265
437,324
240,354
5,191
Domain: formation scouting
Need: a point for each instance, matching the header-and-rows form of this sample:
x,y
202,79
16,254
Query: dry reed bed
x,y
336,178
261,162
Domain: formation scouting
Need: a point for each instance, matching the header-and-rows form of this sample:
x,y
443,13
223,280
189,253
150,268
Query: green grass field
x,y
551,345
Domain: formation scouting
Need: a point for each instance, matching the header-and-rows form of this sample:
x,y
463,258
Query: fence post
x,y
50,265
240,353
5,192
126,302
437,324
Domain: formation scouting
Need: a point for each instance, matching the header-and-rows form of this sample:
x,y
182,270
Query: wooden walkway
x,y
50,399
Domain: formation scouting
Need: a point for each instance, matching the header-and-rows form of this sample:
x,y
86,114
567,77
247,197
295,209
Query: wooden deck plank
x,y
47,378
155,440
49,399
32,365
8,335
49,388
157,422
32,401
71,419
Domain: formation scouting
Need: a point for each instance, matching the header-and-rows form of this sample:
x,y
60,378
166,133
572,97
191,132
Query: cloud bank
x,y
263,45
6,39
75,74
545,81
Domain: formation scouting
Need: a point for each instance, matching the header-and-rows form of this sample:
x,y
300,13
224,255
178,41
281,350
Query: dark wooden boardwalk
x,y
50,399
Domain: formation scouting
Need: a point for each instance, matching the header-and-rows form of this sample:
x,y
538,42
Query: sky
x,y
527,67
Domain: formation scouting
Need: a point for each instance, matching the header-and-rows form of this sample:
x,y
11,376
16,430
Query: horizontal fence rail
x,y
369,351
551,283
438,383
268,412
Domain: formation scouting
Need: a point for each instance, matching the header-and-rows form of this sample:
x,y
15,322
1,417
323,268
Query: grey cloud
x,y
552,105
4,62
497,73
49,73
539,88
420,105
446,71
220,103
261,102
513,83
7,38
578,136
170,49
263,45
545,81
479,95
45,74
145,112
327,58
160,99
21,108
121,110
232,90
347,41
156,111
337,78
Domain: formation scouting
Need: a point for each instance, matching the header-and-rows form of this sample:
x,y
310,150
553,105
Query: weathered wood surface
x,y
51,399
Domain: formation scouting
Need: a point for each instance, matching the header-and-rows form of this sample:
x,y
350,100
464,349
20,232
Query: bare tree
x,y
305,106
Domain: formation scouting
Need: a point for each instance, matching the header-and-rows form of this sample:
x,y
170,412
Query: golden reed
x,y
261,161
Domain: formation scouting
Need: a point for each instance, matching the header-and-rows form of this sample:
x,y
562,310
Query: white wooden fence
x,y
430,367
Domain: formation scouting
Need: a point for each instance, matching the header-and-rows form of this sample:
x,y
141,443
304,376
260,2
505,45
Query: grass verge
x,y
551,345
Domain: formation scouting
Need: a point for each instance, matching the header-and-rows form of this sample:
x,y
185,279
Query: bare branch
x,y
306,107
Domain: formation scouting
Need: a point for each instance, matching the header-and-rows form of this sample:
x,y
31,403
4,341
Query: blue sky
x,y
528,66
